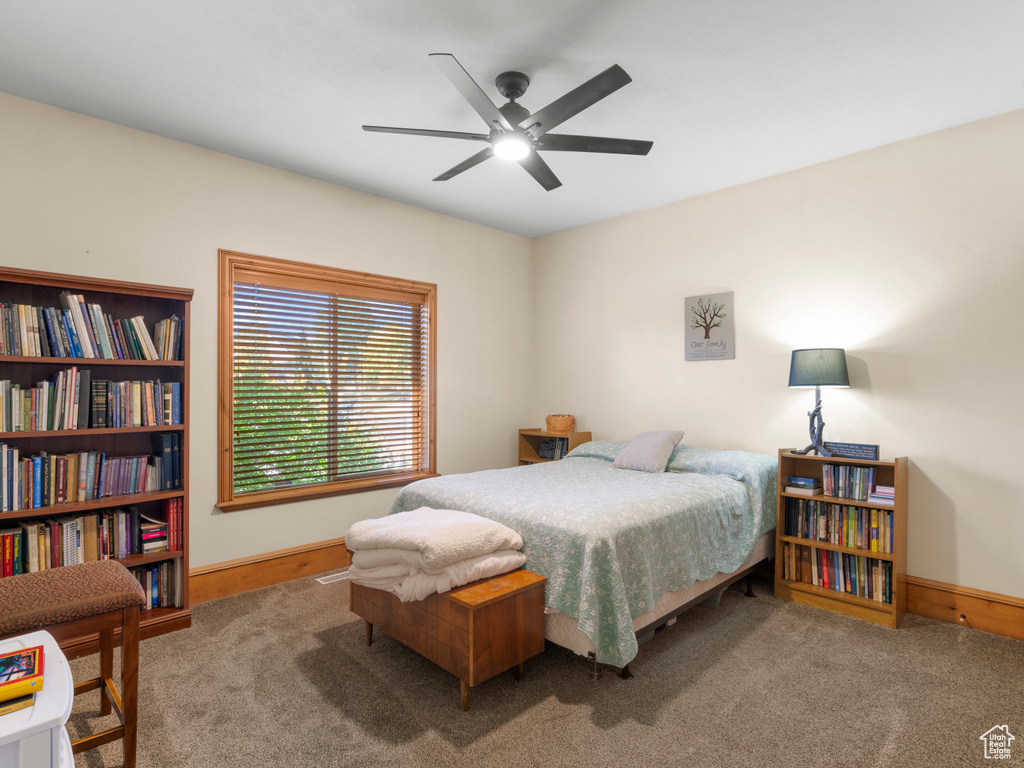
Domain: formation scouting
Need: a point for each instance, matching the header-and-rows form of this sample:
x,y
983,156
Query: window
x,y
326,381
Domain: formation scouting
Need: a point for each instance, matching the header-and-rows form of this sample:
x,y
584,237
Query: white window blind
x,y
326,387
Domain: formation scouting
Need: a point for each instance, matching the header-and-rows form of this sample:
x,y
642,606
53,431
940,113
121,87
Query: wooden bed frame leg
x,y
465,695
519,670
369,633
626,674
750,586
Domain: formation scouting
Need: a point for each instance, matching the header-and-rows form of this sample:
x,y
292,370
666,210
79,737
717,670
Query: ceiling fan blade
x,y
470,91
576,100
466,164
427,132
567,142
536,167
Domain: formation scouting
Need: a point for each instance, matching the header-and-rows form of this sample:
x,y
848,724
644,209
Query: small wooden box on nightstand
x,y
474,631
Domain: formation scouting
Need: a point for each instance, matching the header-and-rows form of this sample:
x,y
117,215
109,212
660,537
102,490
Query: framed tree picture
x,y
710,328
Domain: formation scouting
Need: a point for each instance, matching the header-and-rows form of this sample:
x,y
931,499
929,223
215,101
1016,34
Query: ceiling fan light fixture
x,y
511,147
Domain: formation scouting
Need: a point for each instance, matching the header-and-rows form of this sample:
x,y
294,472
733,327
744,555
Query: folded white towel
x,y
411,584
379,558
440,536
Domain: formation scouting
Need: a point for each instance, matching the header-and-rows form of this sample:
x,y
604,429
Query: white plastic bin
x,y
35,737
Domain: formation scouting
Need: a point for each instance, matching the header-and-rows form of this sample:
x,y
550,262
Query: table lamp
x,y
818,368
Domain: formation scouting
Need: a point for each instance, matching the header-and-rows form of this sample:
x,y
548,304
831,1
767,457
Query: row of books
x,y
81,329
554,448
73,400
163,584
39,545
50,479
883,494
135,403
858,575
847,482
853,527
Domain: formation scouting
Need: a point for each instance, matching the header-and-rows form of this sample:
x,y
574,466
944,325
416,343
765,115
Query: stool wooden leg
x,y
130,683
106,667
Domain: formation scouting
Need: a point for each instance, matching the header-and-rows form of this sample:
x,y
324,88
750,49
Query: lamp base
x,y
816,428
818,449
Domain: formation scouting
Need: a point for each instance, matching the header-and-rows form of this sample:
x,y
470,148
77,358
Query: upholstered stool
x,y
79,600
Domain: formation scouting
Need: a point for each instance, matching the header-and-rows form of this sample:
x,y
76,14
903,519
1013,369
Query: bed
x,y
622,549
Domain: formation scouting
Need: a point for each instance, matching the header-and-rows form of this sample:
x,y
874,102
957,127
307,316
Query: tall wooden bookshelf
x,y
121,300
794,585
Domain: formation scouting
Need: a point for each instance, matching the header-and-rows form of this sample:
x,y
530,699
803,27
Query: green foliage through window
x,y
325,387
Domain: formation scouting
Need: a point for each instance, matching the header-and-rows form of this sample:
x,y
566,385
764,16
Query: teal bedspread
x,y
612,541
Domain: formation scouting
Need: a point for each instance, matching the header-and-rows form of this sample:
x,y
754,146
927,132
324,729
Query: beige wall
x,y
83,196
910,256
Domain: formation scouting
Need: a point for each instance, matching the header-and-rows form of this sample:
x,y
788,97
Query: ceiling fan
x,y
515,134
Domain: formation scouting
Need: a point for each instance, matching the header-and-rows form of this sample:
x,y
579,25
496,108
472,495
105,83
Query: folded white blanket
x,y
411,584
439,536
410,558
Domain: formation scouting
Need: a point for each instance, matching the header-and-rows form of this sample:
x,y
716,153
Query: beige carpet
x,y
282,677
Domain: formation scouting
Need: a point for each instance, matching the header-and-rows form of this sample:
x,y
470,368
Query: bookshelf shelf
x,y
119,300
29,434
832,499
56,510
530,441
836,548
803,560
154,557
90,361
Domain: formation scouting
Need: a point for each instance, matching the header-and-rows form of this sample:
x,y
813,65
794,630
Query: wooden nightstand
x,y
531,439
474,631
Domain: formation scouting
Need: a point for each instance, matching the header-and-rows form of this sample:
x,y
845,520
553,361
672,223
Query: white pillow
x,y
648,451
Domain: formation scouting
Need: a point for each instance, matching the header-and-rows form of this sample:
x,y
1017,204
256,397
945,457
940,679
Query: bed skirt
x,y
563,630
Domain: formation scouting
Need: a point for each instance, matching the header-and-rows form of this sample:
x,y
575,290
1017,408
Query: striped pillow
x,y
648,451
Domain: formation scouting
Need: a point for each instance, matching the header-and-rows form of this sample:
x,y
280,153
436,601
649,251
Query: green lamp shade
x,y
818,368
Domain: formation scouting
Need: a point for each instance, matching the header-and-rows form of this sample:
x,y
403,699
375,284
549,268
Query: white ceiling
x,y
728,90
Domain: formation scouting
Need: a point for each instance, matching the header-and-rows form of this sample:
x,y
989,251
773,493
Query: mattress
x,y
612,542
564,630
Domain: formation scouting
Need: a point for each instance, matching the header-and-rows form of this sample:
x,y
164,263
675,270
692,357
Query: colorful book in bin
x,y
21,673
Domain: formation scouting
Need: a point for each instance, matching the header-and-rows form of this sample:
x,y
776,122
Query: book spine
x,y
44,338
96,318
68,322
128,334
90,332
142,333
70,304
176,460
56,330
4,347
5,484
175,402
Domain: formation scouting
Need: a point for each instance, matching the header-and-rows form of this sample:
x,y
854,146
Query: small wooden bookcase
x,y
475,631
793,580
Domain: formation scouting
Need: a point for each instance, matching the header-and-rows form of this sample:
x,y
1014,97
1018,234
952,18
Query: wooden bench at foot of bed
x,y
474,631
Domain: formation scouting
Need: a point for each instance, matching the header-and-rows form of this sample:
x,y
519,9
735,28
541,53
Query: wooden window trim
x,y
236,266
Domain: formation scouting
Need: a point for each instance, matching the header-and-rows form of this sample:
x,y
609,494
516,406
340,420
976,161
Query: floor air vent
x,y
331,578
